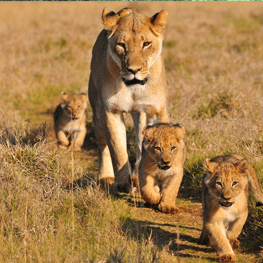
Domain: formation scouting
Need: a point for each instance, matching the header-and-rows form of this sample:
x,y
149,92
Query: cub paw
x,y
168,209
235,244
229,258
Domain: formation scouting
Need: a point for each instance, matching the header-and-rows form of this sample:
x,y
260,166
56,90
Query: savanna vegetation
x,y
51,208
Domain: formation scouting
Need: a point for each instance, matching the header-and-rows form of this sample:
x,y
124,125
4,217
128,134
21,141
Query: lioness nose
x,y
133,70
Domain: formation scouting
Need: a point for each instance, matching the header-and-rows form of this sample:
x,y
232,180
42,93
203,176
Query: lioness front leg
x,y
115,133
169,194
220,242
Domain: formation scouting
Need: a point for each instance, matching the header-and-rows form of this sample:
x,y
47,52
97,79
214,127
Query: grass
x,y
52,209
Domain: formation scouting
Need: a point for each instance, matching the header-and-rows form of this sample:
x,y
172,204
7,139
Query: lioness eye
x,y
173,148
120,44
158,149
219,184
234,183
146,44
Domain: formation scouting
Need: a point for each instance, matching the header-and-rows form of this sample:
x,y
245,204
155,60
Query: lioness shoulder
x,y
225,202
161,166
70,120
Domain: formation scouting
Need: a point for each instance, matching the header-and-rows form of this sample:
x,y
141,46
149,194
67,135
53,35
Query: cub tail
x,y
247,168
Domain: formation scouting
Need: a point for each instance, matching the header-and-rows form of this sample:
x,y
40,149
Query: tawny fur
x,y
127,75
70,121
161,166
225,202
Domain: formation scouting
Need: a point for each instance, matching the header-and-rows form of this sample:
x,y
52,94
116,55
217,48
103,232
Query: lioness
x,y
127,75
225,202
161,166
70,120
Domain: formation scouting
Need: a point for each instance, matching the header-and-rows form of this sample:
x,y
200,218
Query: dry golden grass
x,y
213,54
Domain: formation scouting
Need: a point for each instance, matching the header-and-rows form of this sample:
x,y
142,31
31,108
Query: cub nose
x,y
165,161
226,198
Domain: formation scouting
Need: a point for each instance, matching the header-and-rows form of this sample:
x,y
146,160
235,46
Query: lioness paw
x,y
229,258
168,209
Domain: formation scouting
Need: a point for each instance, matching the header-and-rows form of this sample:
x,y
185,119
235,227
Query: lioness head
x,y
74,105
225,180
135,42
163,142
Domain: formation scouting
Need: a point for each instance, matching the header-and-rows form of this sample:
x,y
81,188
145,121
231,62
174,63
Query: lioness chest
x,y
132,99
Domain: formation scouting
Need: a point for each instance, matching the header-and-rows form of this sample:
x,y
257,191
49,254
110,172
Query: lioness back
x,y
161,166
127,75
225,202
70,120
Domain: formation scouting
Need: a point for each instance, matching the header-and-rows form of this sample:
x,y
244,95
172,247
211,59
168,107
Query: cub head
x,y
164,143
74,105
135,42
225,180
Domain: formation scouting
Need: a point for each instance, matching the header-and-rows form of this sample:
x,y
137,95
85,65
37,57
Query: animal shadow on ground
x,y
164,239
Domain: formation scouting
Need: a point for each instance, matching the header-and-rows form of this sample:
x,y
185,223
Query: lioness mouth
x,y
226,204
165,167
134,81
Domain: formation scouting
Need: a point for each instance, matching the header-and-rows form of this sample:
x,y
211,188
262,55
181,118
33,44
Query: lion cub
x,y
70,120
225,202
161,165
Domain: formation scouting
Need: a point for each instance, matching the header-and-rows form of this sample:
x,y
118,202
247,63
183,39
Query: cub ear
x,y
242,167
179,131
148,133
158,21
110,20
63,96
209,166
84,96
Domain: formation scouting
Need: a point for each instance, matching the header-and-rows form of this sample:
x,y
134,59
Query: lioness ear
x,y
209,166
159,20
110,20
180,132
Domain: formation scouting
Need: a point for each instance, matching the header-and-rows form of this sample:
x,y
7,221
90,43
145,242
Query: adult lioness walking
x,y
127,75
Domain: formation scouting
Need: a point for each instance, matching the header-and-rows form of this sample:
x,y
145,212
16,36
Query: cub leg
x,y
235,230
169,193
220,242
149,190
62,138
115,133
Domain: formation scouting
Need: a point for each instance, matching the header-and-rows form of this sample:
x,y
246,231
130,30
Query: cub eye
x,y
158,149
234,183
79,106
146,44
173,148
219,184
122,45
